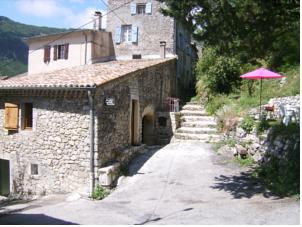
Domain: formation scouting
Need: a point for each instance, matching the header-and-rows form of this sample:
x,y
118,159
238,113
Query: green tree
x,y
248,30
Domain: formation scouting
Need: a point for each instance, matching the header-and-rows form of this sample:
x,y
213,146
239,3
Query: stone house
x,y
138,28
76,112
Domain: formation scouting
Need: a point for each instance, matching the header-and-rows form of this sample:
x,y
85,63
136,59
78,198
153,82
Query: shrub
x,y
262,125
227,118
100,193
248,124
219,74
215,103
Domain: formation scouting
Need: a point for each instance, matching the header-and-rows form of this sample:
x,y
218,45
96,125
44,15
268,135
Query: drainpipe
x,y
85,59
91,94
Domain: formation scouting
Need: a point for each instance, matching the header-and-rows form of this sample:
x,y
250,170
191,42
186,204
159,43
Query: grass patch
x,y
100,193
244,162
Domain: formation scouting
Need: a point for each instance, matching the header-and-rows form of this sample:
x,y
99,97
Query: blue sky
x,y
52,13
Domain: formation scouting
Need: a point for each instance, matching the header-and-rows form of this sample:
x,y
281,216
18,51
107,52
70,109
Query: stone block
x,y
109,174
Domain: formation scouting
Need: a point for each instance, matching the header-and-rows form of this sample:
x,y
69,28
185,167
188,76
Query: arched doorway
x,y
148,129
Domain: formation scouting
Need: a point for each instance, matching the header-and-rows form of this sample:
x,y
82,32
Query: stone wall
x,y
58,144
152,28
59,141
286,101
150,87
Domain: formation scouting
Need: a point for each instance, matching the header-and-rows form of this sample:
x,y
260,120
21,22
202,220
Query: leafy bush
x,y
219,74
227,118
262,125
215,103
100,193
248,124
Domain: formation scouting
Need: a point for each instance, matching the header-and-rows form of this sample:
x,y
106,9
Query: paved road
x,y
182,183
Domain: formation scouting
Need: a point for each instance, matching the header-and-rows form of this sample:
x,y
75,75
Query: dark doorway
x,y
134,123
4,177
147,129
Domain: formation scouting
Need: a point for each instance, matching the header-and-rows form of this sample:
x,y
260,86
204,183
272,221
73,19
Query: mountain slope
x,y
13,50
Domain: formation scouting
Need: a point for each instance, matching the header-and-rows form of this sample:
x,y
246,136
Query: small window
x,y
34,169
60,52
162,121
28,116
136,56
141,8
127,33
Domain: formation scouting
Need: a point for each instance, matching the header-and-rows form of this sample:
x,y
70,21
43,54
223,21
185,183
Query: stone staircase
x,y
195,124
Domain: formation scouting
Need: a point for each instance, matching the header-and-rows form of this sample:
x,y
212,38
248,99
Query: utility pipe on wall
x,y
91,94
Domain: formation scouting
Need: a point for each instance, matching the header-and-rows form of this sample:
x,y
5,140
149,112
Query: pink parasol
x,y
260,74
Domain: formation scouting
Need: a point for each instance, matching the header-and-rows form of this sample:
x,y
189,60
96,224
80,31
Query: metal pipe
x,y
85,59
91,94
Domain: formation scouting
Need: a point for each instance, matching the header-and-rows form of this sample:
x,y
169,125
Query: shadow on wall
x,y
242,186
32,219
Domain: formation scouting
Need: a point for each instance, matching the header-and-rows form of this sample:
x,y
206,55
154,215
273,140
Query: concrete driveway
x,y
182,183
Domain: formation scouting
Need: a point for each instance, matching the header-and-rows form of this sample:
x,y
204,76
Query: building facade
x,y
59,51
56,133
138,28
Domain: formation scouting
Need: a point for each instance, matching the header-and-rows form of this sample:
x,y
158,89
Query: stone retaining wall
x,y
58,144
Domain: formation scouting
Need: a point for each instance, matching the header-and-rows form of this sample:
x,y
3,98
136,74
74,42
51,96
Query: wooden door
x,y
4,177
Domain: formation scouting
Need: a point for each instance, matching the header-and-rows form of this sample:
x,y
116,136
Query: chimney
x,y
97,20
162,49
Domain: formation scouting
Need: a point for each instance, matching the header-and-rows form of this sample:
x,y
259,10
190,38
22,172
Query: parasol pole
x,y
260,95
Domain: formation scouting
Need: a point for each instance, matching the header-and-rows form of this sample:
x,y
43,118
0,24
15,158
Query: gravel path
x,y
182,183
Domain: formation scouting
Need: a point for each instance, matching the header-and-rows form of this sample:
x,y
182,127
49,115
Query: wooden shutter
x,y
118,31
149,8
55,52
134,34
46,54
133,8
66,51
11,116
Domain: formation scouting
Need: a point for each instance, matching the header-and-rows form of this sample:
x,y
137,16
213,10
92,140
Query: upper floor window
x,y
126,33
141,8
28,116
60,51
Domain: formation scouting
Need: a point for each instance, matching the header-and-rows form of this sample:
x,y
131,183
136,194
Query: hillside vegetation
x,y
13,49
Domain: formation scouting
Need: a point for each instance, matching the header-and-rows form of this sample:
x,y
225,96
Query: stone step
x,y
192,107
190,130
196,118
201,137
193,113
199,124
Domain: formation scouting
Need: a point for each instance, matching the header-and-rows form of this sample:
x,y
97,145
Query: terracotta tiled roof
x,y
79,76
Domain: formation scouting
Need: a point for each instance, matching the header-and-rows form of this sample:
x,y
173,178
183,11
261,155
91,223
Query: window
x,y
47,54
136,56
127,33
141,8
28,116
60,52
162,121
34,169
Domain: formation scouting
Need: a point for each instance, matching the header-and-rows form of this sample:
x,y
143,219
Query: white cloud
x,y
78,19
46,8
52,9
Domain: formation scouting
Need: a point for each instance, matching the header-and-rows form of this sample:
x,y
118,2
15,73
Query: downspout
x,y
85,59
91,94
